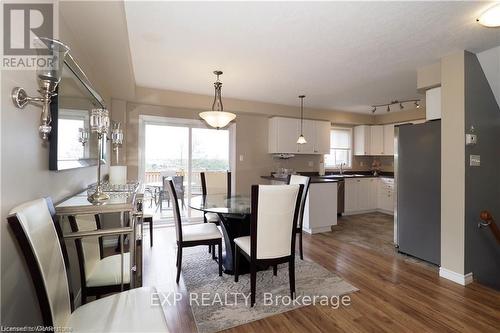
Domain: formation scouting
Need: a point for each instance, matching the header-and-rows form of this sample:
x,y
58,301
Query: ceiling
x,y
342,55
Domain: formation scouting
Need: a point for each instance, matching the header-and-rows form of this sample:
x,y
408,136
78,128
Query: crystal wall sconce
x,y
50,54
117,139
83,135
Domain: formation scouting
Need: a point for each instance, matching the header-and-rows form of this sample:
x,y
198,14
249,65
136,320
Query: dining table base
x,y
234,226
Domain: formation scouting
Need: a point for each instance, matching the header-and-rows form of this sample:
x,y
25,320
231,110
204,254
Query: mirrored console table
x,y
128,204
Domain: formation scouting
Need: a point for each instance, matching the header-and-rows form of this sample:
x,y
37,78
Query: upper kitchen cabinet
x,y
362,138
377,140
322,145
433,104
283,134
389,139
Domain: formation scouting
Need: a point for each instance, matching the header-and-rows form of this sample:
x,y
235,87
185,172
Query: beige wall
x,y
429,76
453,163
400,117
25,176
251,132
202,102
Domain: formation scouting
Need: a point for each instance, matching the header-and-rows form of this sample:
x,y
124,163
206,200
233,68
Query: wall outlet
x,y
475,160
241,158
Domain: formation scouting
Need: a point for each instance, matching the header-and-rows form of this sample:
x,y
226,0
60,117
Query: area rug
x,y
218,303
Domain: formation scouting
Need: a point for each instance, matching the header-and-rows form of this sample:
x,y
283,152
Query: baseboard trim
x,y
455,277
317,230
378,210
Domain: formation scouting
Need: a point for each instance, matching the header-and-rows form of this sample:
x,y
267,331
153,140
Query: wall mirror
x,y
72,144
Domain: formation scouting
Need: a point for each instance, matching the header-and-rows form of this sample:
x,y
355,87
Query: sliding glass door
x,y
182,151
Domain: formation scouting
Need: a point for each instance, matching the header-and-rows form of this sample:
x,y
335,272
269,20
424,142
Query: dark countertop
x,y
333,177
314,179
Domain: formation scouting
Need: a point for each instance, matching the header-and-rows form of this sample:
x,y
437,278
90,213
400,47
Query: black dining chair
x,y
194,234
275,210
179,188
296,179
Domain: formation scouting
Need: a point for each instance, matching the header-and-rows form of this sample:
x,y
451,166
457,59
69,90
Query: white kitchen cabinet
x,y
308,130
386,195
389,139
322,145
376,140
360,195
351,196
364,195
362,138
283,134
433,104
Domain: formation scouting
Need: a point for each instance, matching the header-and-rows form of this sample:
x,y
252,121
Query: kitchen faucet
x,y
342,168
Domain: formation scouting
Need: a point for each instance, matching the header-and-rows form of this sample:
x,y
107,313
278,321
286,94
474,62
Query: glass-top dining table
x,y
234,213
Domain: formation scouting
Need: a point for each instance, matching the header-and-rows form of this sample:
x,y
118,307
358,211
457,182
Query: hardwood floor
x,y
396,295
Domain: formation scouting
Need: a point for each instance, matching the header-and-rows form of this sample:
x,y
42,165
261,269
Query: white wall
x,y
490,62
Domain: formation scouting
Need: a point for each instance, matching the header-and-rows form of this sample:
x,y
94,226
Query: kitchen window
x,y
340,148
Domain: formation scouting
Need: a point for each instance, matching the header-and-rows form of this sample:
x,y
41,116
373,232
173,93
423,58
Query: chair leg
x,y
236,262
275,270
84,297
220,258
300,246
291,273
253,278
213,252
151,231
179,264
205,221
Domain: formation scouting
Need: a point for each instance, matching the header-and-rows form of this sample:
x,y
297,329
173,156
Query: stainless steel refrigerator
x,y
417,218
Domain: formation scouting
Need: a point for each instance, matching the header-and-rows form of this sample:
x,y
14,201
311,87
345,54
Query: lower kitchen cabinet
x,y
364,195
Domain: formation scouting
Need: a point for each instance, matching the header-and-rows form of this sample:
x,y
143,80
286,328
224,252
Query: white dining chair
x,y
99,275
275,210
40,240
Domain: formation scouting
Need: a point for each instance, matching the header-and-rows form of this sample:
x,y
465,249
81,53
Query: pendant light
x,y
217,117
301,140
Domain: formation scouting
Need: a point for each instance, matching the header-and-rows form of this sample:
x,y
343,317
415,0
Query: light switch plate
x,y
475,160
470,139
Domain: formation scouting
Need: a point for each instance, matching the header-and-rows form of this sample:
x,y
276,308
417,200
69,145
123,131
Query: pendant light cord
x,y
301,112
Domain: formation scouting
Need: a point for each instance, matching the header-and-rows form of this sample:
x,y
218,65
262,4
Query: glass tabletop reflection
x,y
222,204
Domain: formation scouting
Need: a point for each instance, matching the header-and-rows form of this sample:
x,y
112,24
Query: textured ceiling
x,y
342,55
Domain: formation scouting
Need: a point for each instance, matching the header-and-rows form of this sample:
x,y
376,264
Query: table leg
x,y
234,226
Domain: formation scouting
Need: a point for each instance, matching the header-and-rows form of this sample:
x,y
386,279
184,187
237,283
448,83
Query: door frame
x,y
190,124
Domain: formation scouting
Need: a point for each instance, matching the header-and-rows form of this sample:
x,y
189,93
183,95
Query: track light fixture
x,y
395,102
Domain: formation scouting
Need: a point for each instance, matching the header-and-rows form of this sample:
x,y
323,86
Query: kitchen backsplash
x,y
311,163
